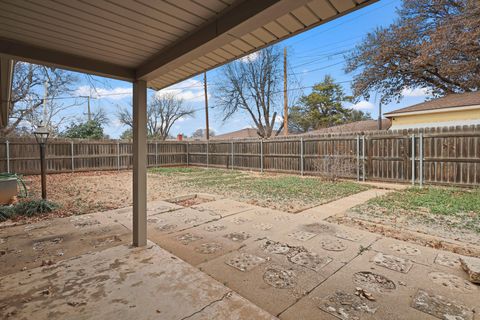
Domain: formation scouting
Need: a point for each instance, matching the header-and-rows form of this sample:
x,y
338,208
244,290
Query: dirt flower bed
x,y
80,193
450,213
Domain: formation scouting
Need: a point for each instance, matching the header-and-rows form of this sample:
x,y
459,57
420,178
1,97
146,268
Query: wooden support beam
x,y
34,54
6,77
139,163
231,25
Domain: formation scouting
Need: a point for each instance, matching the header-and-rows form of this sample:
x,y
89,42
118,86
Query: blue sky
x,y
311,56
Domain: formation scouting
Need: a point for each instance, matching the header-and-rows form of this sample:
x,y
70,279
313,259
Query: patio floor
x,y
235,261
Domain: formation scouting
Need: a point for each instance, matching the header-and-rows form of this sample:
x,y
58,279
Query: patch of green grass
x,y
263,189
174,170
455,207
442,201
27,208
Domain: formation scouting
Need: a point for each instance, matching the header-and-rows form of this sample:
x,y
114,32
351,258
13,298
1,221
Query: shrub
x,y
27,208
6,212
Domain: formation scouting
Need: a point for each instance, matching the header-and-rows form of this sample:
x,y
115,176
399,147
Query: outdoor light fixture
x,y
41,135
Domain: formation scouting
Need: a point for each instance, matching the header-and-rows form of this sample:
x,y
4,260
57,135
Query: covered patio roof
x,y
150,43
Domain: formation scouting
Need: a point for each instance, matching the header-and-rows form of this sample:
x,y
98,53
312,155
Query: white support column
x,y
139,163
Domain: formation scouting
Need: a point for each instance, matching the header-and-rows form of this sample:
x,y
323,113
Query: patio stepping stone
x,y
373,281
392,262
302,235
279,277
447,261
472,267
245,262
333,245
347,306
440,307
451,281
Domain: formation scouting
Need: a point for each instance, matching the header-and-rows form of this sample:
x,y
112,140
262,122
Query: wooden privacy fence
x,y
449,156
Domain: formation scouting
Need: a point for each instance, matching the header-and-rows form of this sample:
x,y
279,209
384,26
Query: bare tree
x,y
252,85
201,133
433,44
27,92
162,113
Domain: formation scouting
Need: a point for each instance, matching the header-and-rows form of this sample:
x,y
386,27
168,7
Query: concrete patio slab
x,y
223,207
297,266
273,282
338,206
28,246
121,283
392,293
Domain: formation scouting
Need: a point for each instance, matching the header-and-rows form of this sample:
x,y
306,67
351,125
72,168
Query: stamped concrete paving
x,y
294,266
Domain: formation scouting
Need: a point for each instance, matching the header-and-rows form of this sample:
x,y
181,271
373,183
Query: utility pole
x,y
88,108
207,127
380,115
285,97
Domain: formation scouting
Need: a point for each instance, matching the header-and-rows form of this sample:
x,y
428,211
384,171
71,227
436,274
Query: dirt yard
x,y
88,192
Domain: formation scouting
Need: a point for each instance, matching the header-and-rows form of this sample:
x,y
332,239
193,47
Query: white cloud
x,y
251,57
415,92
117,93
190,90
362,105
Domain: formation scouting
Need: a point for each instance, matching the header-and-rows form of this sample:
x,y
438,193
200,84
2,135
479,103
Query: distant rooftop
x,y
449,101
357,126
239,134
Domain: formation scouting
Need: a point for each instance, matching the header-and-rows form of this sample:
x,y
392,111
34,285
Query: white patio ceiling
x,y
160,41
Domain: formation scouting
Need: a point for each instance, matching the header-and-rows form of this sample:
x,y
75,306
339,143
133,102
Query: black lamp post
x,y
41,135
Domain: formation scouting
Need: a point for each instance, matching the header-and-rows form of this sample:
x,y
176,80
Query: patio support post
x,y
139,163
188,161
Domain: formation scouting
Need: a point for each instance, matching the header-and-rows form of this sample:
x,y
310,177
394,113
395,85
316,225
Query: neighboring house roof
x,y
357,126
449,101
239,134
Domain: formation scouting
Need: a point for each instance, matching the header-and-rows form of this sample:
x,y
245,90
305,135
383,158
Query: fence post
x,y
232,155
73,157
301,156
358,157
188,161
420,165
156,153
118,155
363,158
413,159
207,153
261,155
7,145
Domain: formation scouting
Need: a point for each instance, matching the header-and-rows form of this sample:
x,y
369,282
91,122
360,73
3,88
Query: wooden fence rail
x,y
448,156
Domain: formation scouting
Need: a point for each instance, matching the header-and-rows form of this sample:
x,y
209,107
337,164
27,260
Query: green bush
x,y
27,208
6,212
